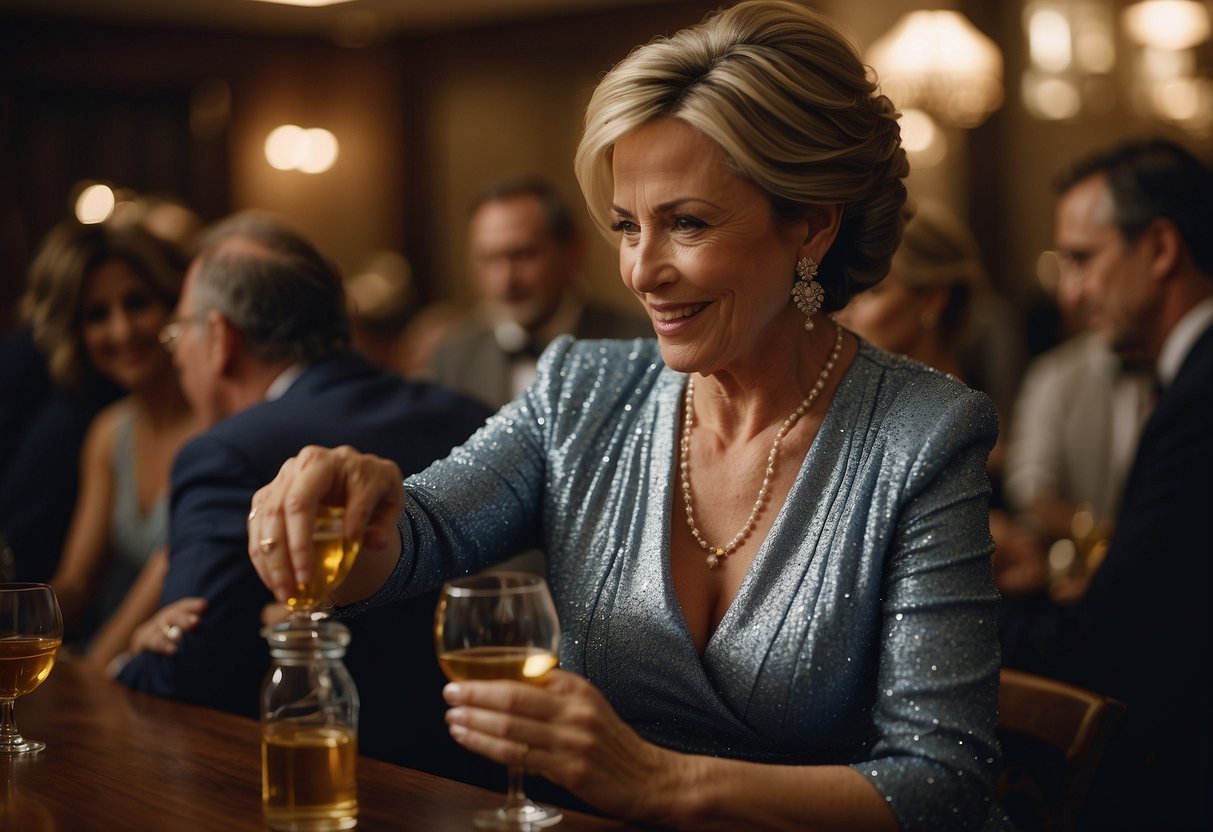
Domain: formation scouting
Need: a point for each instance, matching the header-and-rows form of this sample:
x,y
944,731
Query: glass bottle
x,y
309,729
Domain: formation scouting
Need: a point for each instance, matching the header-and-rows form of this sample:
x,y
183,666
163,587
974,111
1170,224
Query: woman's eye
x,y
624,226
94,314
688,224
137,303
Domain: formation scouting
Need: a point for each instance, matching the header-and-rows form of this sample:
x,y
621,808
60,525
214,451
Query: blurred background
x,y
369,124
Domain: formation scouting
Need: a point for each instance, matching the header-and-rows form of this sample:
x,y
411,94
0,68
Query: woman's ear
x,y
823,224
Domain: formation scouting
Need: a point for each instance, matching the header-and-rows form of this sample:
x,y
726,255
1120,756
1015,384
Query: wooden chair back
x,y
1053,735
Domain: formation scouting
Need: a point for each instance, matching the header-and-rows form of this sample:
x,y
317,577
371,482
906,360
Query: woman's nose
x,y
650,266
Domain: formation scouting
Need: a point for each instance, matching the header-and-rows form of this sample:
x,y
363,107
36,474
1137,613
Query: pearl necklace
x,y
718,553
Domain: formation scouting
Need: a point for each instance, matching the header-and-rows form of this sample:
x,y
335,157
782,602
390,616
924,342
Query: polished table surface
x,y
118,759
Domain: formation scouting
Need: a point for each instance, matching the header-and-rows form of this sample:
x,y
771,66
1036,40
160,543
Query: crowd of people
x,y
791,532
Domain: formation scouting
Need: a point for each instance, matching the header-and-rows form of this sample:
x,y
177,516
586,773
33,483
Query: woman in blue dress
x,y
768,541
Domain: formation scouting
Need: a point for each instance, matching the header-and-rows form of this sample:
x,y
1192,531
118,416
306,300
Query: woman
x,y
98,298
922,308
767,541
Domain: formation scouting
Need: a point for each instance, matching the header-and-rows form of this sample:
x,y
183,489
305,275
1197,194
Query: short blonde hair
x,y
68,255
788,99
938,250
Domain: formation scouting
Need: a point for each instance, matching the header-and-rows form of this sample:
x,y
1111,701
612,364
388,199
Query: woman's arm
x,y
566,731
139,604
87,549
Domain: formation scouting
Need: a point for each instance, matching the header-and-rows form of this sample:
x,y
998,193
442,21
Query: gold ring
x,y
266,545
171,631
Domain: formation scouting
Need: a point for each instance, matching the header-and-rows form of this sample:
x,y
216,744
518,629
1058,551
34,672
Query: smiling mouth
x,y
677,313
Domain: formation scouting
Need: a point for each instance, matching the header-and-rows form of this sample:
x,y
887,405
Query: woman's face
x,y
701,249
120,322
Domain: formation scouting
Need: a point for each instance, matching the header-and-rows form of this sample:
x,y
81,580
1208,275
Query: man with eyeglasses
x,y
1135,224
261,343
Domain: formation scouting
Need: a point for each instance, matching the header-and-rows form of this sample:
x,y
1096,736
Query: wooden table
x,y
117,759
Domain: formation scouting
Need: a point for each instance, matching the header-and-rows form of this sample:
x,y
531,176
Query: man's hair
x,y
274,286
556,214
1152,178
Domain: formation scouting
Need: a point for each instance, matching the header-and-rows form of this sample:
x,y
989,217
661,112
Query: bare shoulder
x,y
103,430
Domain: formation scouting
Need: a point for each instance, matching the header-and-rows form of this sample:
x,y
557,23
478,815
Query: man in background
x,y
524,253
1134,226
261,342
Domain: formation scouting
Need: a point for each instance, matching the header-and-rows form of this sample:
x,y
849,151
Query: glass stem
x,y
514,795
9,737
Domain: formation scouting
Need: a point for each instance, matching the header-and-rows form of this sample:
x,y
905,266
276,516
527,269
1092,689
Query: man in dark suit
x,y
1136,225
524,254
261,344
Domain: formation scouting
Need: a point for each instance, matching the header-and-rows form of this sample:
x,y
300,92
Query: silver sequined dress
x,y
865,631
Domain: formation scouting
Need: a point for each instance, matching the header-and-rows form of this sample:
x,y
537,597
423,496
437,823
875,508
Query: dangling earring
x,y
806,291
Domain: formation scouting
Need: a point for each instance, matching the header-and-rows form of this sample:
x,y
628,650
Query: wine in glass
x,y
500,625
31,630
333,557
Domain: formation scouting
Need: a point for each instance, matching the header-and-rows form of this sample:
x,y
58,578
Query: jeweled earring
x,y
806,291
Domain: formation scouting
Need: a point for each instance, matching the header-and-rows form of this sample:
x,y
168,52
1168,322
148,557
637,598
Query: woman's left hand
x,y
163,631
564,729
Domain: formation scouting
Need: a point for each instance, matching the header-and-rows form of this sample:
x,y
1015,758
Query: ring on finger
x,y
252,513
171,631
266,544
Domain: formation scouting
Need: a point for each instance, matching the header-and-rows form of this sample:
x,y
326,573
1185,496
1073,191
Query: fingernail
x,y
451,692
458,733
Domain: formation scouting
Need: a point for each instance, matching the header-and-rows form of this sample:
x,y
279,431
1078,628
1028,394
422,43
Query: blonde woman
x,y
768,541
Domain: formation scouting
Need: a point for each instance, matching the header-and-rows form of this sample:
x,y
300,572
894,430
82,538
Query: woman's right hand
x,y
283,513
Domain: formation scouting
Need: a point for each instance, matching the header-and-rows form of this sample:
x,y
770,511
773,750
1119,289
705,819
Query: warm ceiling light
x,y
291,147
940,62
95,204
1168,24
308,3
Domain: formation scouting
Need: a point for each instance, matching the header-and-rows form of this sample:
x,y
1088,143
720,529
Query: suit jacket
x,y
1141,632
340,400
471,360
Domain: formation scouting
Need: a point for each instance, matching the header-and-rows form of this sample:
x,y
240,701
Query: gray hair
x,y
788,99
274,286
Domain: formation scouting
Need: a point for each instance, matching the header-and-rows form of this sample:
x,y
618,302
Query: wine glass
x,y
333,557
500,625
31,630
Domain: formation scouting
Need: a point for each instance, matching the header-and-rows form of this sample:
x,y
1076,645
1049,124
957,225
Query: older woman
x,y
767,541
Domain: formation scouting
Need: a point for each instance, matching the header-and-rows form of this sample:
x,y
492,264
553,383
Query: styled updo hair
x,y
67,257
938,251
788,99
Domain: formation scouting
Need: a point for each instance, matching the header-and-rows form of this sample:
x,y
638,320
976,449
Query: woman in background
x,y
97,299
921,309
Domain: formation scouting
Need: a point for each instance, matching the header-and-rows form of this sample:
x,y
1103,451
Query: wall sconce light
x,y
1168,24
1167,84
1071,54
939,62
310,150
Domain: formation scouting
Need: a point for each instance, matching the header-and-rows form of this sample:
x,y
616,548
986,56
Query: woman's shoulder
x,y
606,359
107,425
911,394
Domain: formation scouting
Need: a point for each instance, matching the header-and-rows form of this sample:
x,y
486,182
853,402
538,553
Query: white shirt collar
x,y
1181,339
285,379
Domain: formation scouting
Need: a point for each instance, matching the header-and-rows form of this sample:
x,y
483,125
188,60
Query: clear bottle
x,y
309,729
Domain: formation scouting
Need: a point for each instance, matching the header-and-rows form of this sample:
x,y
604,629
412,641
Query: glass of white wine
x,y
500,625
333,557
31,630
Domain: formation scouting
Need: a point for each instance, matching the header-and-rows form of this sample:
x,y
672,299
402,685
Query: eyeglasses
x,y
173,331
